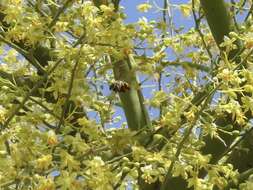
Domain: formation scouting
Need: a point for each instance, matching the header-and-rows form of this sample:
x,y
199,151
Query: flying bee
x,y
120,86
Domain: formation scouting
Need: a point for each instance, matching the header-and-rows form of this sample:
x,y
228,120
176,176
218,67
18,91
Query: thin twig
x,y
234,14
159,89
97,97
27,55
242,5
59,12
66,104
177,63
247,133
189,64
243,62
119,158
123,176
197,22
35,87
48,125
186,136
249,13
238,54
45,108
89,70
41,12
165,7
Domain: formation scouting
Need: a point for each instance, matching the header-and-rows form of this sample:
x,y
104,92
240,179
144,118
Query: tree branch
x,y
66,104
36,86
59,12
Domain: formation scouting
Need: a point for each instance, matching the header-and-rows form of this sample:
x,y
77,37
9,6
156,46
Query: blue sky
x,y
133,14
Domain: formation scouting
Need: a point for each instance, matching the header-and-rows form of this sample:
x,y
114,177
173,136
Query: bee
x,y
120,86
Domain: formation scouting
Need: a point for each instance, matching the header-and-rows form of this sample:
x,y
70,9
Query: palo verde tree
x,y
68,67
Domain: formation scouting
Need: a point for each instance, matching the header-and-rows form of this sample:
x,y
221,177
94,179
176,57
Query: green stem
x,y
220,22
218,18
132,100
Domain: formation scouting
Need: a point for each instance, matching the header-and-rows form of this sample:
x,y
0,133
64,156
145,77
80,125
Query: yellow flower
x,y
144,7
52,138
46,184
190,115
185,9
44,162
16,2
2,115
61,26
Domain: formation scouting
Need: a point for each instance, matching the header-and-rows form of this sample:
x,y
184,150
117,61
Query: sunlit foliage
x,y
90,101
